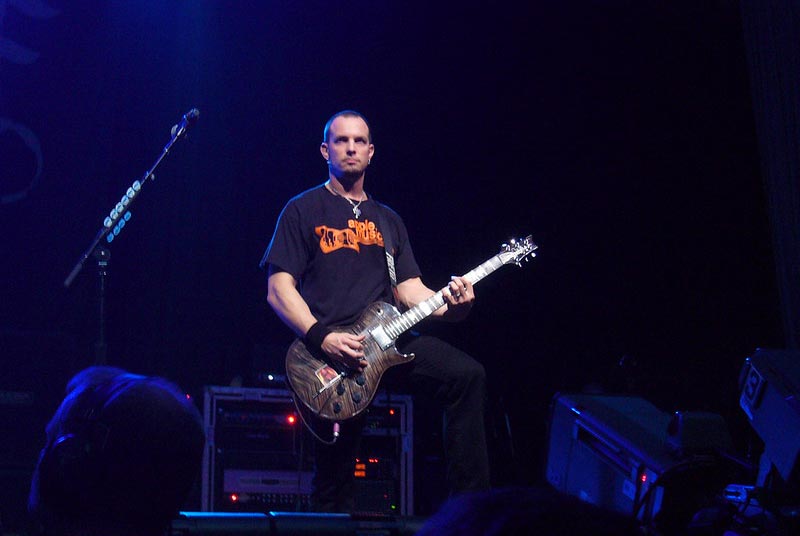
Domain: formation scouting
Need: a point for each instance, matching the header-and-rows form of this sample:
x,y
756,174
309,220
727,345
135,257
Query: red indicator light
x,y
391,411
360,474
291,419
643,478
373,460
234,497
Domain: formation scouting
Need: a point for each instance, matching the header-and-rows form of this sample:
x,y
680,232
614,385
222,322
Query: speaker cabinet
x,y
608,450
624,454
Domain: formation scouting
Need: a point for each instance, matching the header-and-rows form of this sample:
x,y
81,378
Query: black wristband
x,y
315,335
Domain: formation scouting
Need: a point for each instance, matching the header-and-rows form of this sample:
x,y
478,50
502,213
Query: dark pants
x,y
457,382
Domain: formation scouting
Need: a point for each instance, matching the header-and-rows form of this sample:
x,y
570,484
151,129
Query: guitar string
x,y
416,313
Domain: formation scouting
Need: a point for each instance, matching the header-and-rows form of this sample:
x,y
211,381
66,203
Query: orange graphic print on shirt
x,y
357,233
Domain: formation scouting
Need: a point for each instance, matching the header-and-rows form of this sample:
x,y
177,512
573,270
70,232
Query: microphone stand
x,y
102,255
113,225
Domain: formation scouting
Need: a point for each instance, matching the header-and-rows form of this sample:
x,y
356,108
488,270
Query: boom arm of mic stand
x,y
120,214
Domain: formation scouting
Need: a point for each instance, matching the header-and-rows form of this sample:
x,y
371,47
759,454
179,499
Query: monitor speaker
x,y
770,386
625,454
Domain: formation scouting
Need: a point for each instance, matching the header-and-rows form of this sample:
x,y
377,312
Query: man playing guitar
x,y
327,263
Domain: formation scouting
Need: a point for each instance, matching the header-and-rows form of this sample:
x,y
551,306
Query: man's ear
x,y
323,149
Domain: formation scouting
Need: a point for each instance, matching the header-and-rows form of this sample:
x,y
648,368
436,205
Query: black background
x,y
619,134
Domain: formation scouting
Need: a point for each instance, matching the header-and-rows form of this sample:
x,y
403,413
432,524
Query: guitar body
x,y
331,390
334,392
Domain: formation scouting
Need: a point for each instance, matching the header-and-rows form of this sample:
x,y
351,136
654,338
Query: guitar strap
x,y
388,248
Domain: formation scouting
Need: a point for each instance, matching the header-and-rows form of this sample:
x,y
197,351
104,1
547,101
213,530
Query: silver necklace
x,y
356,210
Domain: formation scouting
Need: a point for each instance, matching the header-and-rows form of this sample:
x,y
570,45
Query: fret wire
x,y
391,330
422,310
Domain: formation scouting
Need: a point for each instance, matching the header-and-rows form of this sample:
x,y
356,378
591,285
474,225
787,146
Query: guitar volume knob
x,y
356,397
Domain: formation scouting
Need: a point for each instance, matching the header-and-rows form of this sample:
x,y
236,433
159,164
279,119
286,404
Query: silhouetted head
x,y
122,451
540,511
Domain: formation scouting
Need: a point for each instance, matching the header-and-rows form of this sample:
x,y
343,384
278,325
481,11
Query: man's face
x,y
348,148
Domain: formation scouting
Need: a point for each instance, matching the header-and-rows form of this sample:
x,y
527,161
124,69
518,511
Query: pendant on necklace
x,y
356,212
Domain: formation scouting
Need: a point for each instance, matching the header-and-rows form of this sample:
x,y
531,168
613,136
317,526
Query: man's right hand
x,y
346,348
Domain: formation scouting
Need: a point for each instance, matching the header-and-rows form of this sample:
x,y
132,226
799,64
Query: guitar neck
x,y
424,309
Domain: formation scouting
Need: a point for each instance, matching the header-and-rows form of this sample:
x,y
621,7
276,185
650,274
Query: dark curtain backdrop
x,y
772,33
619,134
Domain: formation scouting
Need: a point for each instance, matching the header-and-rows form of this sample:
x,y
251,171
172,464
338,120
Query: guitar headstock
x,y
517,250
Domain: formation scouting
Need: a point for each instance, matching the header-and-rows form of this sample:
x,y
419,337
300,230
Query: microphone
x,y
188,120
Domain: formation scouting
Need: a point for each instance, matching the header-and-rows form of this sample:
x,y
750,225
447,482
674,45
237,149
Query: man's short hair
x,y
344,113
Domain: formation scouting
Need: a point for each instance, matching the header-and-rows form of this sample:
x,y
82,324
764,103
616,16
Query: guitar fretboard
x,y
424,309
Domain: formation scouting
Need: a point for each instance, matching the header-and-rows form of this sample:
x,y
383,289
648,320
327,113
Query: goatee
x,y
348,179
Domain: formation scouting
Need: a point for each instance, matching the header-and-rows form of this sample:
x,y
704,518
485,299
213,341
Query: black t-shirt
x,y
338,260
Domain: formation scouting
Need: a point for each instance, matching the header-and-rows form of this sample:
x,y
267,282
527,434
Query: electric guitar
x,y
333,391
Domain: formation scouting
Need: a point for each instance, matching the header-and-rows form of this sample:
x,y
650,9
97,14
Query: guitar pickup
x,y
381,337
